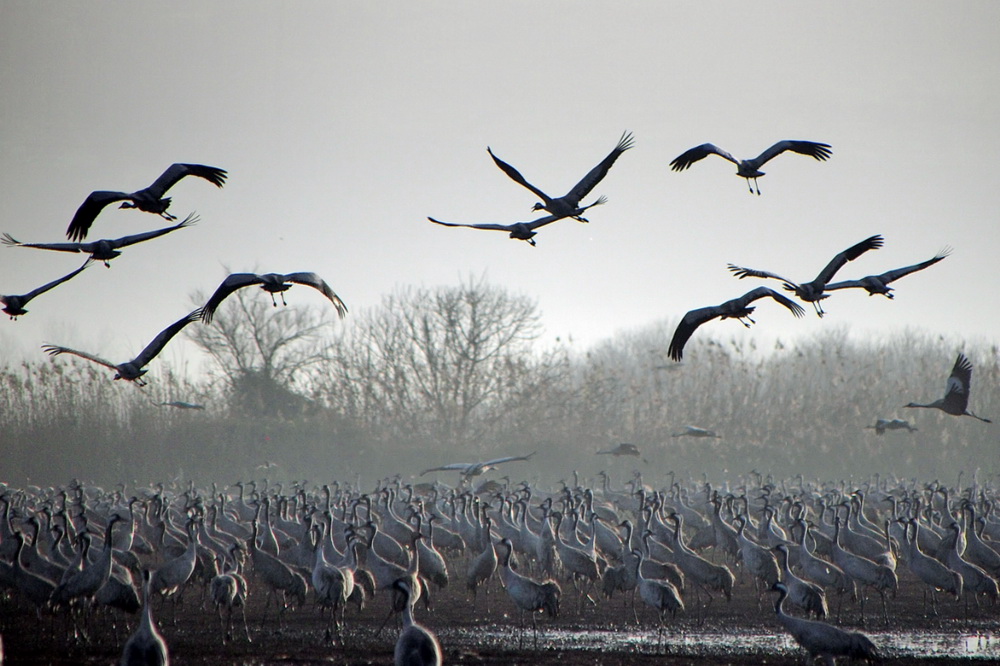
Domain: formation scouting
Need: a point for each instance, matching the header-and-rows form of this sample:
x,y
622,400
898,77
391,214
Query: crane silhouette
x,y
568,204
812,292
106,249
13,305
133,370
879,284
523,230
750,169
956,392
149,199
737,308
272,283
469,470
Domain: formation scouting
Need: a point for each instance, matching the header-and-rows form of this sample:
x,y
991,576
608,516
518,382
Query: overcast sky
x,y
343,125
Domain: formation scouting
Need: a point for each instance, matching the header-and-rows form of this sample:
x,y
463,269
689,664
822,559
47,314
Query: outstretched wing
x,y
687,158
688,325
892,275
449,468
850,254
956,396
587,183
45,287
497,461
188,221
55,350
764,292
490,227
741,272
177,171
160,341
548,219
89,210
516,176
233,282
9,240
820,151
316,282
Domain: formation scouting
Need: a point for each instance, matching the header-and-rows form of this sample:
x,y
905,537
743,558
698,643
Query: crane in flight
x,y
813,292
568,204
879,284
737,308
105,249
956,392
750,169
523,230
133,370
13,305
469,470
272,283
149,199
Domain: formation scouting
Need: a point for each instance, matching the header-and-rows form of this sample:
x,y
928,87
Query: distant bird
x,y
738,308
820,639
272,283
522,230
623,449
103,250
879,284
469,470
567,205
956,393
695,431
181,404
149,200
133,370
751,168
14,305
812,292
881,425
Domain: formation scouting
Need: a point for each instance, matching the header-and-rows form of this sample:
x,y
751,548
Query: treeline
x,y
457,374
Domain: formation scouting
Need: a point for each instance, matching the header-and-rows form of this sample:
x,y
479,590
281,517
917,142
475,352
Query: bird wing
x,y
45,287
154,347
55,350
687,158
850,254
844,284
491,227
89,210
9,240
820,151
587,183
233,282
177,171
687,326
741,272
892,275
764,292
516,176
956,395
497,461
449,468
542,221
188,221
316,282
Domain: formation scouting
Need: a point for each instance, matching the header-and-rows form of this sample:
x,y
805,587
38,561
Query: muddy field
x,y
743,631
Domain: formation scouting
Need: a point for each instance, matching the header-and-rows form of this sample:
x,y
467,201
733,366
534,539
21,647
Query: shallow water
x,y
721,643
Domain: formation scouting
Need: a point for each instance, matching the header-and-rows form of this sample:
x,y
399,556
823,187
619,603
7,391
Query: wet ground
x,y
743,631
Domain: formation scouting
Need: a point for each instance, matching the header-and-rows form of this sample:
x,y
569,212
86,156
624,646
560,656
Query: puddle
x,y
720,643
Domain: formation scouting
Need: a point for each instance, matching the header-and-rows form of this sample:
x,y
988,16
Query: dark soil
x,y
601,633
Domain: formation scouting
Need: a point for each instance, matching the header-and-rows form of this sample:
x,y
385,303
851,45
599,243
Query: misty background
x,y
344,126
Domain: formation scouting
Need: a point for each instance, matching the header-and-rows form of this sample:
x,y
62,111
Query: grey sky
x,y
343,125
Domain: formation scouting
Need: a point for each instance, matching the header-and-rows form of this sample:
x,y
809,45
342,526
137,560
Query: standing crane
x,y
820,639
750,169
146,647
